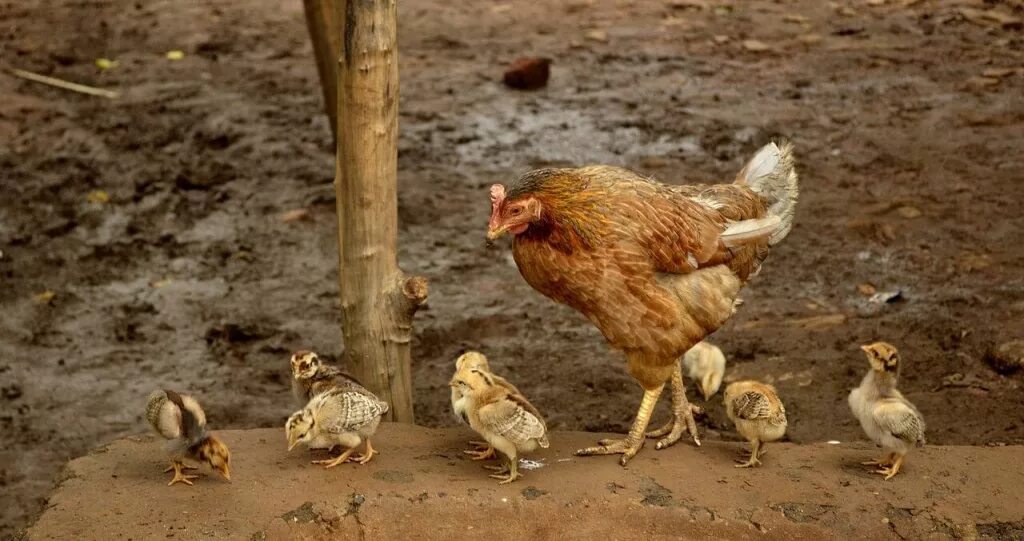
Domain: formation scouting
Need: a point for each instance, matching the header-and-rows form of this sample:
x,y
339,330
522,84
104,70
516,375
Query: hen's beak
x,y
495,233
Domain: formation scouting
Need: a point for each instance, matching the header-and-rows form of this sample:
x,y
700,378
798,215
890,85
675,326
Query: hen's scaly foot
x,y
180,477
682,416
634,441
343,457
481,455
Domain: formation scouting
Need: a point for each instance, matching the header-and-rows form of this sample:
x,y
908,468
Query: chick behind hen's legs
x,y
631,444
682,415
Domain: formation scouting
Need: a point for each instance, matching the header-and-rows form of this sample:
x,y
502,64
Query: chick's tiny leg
x,y
178,467
341,458
884,461
512,472
629,446
682,415
367,454
755,451
482,453
182,466
891,471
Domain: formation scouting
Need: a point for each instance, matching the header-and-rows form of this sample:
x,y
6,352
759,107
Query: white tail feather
x,y
750,230
771,174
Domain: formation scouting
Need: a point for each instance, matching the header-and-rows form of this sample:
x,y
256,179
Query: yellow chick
x,y
886,416
474,360
758,413
181,421
507,421
705,363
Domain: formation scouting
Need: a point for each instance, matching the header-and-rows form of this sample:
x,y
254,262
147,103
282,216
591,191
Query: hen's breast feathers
x,y
653,260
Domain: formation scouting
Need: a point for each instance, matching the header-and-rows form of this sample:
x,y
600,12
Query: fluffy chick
x,y
181,421
758,413
337,417
506,420
311,376
886,416
474,360
705,363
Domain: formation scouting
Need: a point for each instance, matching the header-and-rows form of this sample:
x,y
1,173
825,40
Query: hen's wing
x,y
353,410
513,421
900,419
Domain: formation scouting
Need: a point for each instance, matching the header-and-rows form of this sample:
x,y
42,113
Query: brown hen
x,y
655,267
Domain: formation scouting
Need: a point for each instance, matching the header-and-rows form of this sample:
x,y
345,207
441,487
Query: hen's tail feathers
x,y
772,175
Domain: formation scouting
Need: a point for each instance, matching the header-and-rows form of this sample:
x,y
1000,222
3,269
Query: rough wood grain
x,y
325,20
378,300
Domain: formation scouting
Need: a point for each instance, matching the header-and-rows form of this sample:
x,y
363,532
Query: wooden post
x,y
324,20
378,300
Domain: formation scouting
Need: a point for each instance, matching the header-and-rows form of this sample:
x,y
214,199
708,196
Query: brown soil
x,y
189,278
421,486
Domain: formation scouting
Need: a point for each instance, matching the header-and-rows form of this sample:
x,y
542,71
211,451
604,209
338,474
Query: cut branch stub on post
x,y
378,300
325,20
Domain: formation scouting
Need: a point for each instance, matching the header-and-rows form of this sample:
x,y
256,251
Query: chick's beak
x,y
866,348
226,473
292,444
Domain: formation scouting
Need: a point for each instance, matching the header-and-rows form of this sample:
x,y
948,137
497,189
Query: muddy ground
x,y
907,122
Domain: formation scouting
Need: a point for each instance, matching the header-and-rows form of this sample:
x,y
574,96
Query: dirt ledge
x,y
422,487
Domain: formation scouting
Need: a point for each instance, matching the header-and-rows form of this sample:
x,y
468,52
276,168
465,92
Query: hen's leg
x,y
629,446
682,415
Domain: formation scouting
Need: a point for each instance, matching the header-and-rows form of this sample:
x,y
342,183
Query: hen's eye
x,y
516,211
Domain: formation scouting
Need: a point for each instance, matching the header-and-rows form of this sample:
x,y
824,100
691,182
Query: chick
x,y
466,362
180,420
310,376
705,363
337,416
758,414
506,420
889,419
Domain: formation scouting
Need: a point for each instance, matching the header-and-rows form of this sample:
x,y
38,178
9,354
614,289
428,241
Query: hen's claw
x,y
682,416
628,449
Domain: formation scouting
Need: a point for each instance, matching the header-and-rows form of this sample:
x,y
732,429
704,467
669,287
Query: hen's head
x,y
511,214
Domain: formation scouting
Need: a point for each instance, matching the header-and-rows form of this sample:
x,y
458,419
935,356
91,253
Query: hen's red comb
x,y
497,193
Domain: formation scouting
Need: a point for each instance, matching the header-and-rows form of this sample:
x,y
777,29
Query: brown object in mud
x,y
528,73
378,300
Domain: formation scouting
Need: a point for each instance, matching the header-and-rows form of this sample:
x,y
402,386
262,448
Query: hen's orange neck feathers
x,y
571,216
